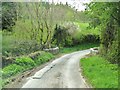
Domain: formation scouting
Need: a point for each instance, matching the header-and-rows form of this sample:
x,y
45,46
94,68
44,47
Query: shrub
x,y
68,41
86,38
25,62
91,38
62,35
11,70
14,46
44,57
112,54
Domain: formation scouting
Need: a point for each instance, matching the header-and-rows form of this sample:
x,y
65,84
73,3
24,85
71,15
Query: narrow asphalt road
x,y
64,72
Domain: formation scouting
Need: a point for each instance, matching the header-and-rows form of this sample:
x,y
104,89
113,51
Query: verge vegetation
x,y
78,47
23,64
99,72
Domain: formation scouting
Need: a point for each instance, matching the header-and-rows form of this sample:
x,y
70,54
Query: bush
x,y
16,46
68,41
43,58
112,54
11,70
87,38
91,38
25,62
109,42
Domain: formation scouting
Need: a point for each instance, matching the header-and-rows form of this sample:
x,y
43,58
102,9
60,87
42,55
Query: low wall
x,y
52,50
9,60
94,50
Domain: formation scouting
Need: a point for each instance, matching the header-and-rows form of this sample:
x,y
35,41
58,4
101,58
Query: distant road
x,y
63,72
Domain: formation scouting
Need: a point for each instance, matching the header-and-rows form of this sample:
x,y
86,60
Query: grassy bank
x,y
78,47
23,64
99,72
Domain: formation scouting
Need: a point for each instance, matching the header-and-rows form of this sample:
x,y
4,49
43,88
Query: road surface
x,y
64,72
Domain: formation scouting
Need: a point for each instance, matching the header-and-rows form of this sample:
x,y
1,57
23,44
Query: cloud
x,y
78,4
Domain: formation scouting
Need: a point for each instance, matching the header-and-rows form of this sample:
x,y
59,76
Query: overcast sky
x,y
78,4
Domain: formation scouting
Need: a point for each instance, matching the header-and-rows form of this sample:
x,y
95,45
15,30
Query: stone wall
x,y
94,50
52,50
9,60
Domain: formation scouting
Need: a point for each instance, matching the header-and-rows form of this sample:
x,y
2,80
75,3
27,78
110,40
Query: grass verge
x,y
99,72
78,47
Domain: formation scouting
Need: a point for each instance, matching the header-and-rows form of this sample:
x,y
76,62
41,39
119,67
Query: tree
x,y
62,36
8,15
108,18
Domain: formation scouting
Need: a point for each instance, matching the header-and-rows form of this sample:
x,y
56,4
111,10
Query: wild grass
x,y
78,47
99,72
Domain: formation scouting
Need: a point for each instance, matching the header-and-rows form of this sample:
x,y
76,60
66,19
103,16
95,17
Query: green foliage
x,y
109,47
0,78
61,36
84,29
16,46
85,34
99,72
11,70
82,46
112,54
45,57
91,38
8,43
106,17
8,15
75,33
25,62
68,41
31,33
1,41
82,25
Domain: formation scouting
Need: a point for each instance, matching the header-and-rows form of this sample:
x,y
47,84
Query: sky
x,y
78,4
